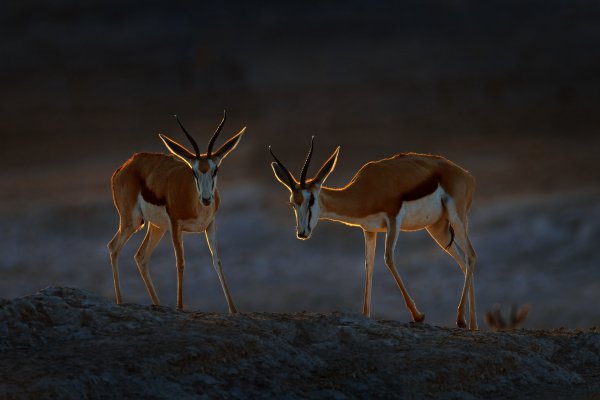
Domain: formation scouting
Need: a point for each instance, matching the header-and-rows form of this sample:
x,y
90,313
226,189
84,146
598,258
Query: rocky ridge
x,y
70,343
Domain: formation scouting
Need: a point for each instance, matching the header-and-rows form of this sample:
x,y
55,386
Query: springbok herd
x,y
406,192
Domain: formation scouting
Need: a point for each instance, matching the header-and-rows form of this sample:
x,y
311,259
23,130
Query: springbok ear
x,y
177,149
228,146
282,177
327,168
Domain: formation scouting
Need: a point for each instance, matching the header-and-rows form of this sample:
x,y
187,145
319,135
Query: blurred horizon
x,y
509,90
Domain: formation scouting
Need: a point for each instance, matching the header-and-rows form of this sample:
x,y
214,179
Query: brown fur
x,y
298,198
146,173
382,186
203,165
167,180
373,200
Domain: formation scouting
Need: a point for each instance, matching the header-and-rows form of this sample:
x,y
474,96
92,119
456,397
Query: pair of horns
x,y
304,168
212,140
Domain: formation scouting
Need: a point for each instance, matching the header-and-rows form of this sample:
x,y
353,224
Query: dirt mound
x,y
70,343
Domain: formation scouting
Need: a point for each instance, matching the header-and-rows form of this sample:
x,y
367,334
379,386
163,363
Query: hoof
x,y
461,323
419,317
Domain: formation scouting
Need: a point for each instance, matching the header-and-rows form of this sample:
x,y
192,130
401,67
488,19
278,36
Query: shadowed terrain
x,y
506,89
109,351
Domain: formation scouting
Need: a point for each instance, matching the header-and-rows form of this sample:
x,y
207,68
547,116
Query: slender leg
x,y
470,267
370,244
142,258
211,239
459,223
393,229
126,229
176,235
440,232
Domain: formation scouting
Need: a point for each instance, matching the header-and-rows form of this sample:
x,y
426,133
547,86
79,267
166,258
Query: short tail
x,y
451,229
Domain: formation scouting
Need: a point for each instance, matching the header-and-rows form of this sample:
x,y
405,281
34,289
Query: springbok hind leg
x,y
459,223
142,258
126,230
440,232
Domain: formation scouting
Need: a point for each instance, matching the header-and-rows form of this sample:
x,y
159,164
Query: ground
x,y
70,343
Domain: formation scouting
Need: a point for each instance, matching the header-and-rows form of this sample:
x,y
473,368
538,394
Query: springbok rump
x,y
406,192
176,192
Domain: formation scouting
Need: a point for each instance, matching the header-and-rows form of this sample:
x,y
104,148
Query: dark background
x,y
507,89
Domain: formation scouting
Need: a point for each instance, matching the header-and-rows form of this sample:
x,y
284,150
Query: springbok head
x,y
304,194
204,166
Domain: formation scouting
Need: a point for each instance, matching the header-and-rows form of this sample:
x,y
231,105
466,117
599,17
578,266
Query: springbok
x,y
517,317
406,192
174,192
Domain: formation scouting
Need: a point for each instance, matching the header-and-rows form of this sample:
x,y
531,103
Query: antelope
x,y
406,192
175,192
517,317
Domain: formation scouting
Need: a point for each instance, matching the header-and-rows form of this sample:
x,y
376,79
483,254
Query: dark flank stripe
x,y
149,196
425,188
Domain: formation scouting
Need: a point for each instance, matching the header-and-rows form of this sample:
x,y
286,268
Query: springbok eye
x,y
311,201
216,170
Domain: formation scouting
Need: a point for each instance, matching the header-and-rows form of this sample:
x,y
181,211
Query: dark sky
x,y
98,79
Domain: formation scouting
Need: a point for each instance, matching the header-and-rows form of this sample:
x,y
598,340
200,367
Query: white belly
x,y
372,223
418,214
158,216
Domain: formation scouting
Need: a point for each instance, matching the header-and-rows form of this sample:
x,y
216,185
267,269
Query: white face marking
x,y
206,182
307,213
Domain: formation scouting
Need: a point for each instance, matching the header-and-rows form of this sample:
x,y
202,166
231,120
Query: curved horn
x,y
212,140
190,138
291,180
306,163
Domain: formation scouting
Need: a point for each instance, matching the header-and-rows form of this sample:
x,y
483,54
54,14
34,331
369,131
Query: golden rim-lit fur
x,y
408,191
175,193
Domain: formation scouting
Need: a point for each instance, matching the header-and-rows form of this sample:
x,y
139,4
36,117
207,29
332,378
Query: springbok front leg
x,y
177,237
142,258
370,245
211,239
393,229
